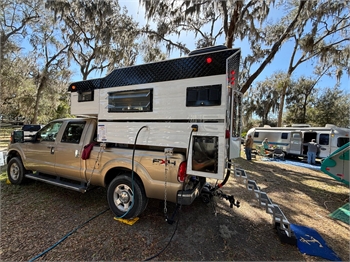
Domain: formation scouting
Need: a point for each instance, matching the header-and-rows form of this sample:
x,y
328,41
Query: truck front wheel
x,y
126,197
15,171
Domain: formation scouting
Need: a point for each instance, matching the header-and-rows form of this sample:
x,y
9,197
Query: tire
x,y
16,171
124,193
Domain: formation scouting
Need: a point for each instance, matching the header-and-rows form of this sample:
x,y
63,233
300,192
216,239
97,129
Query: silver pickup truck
x,y
65,153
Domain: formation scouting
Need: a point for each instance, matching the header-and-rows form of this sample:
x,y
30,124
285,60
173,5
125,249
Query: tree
x,y
298,98
264,98
326,42
100,35
331,107
319,29
15,17
50,54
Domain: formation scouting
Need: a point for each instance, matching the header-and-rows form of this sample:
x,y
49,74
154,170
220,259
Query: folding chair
x,y
262,152
278,153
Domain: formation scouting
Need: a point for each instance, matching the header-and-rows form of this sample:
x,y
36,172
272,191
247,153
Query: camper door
x,y
295,143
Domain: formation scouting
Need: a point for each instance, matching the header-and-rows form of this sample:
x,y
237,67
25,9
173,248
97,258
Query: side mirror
x,y
17,136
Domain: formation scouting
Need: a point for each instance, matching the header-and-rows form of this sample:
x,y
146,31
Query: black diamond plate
x,y
175,69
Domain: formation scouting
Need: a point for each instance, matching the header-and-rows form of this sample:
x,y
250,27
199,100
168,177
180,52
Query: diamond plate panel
x,y
175,69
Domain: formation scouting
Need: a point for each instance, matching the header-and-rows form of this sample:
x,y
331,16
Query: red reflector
x,y
182,173
209,60
227,134
327,168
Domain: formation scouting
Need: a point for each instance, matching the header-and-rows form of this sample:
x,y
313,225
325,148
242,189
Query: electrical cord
x,y
177,222
66,236
132,171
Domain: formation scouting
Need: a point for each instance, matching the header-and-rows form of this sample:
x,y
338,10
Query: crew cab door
x,y
68,150
40,155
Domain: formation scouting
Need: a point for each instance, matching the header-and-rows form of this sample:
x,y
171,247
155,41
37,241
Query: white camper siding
x,y
169,101
86,107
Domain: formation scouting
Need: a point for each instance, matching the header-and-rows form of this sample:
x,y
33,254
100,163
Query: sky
x,y
278,63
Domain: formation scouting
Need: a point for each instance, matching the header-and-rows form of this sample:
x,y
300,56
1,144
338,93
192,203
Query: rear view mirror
x,y
17,136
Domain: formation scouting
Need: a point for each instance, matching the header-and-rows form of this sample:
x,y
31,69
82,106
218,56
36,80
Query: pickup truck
x,y
66,153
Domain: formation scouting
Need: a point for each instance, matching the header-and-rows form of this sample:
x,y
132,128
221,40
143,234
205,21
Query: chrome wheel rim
x,y
14,171
123,197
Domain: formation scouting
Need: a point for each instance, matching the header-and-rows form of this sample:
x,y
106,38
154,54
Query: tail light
x,y
227,134
182,172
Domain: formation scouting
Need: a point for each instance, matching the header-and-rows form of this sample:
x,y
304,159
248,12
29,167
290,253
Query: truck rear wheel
x,y
126,198
15,171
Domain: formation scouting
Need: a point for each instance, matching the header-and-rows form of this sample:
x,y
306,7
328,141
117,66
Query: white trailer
x,y
191,104
292,139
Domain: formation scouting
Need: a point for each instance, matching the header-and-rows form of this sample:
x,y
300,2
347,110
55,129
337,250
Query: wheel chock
x,y
129,222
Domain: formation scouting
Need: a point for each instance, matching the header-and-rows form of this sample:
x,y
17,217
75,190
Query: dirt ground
x,y
37,216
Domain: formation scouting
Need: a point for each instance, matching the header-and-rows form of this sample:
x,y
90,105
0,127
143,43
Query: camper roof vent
x,y
267,126
301,125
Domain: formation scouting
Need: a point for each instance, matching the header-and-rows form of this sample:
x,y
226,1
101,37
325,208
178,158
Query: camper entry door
x,y
295,143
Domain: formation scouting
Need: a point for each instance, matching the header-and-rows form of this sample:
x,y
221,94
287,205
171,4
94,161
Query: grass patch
x,y
3,175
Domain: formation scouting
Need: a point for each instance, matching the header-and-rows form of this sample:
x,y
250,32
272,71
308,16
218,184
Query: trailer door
x,y
295,143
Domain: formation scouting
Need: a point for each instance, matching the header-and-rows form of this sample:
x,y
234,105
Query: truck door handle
x,y
52,149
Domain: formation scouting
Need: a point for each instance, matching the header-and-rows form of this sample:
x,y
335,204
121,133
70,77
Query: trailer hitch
x,y
208,192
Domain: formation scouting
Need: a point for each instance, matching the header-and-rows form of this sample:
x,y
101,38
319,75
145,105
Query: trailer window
x,y
284,136
130,101
342,141
203,95
256,134
324,139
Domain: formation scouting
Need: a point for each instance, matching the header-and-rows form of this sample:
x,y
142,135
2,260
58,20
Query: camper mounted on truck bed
x,y
292,139
155,130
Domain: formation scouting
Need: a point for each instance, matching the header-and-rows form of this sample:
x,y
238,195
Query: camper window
x,y
284,136
256,134
86,96
130,101
324,139
203,95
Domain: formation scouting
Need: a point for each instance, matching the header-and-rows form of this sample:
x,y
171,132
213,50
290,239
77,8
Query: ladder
x,y
279,220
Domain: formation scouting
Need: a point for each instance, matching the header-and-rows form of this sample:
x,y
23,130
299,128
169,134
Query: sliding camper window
x,y
324,139
203,96
130,101
256,134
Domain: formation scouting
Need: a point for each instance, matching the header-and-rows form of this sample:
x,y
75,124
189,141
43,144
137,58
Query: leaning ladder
x,y
278,218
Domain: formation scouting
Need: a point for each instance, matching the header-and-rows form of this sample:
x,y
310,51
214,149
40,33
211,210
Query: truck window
x,y
324,139
284,136
73,132
130,101
49,132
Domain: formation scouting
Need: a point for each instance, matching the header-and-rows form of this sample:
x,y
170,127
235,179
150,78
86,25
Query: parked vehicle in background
x,y
292,139
30,130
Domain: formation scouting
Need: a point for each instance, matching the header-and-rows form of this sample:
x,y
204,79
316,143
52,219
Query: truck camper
x,y
156,130
292,139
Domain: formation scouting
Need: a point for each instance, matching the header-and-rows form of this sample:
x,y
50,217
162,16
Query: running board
x,y
280,221
58,181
